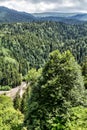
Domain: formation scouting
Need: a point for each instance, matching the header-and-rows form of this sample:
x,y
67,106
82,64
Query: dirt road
x,y
19,89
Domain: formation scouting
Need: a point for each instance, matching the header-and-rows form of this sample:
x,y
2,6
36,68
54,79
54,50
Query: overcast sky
x,y
46,5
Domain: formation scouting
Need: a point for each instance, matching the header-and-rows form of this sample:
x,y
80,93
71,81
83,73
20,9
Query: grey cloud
x,y
81,2
45,1
56,1
77,4
3,0
58,5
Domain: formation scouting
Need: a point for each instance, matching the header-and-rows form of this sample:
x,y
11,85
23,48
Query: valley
x,y
43,70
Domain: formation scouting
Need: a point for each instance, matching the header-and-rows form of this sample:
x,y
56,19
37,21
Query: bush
x,y
5,88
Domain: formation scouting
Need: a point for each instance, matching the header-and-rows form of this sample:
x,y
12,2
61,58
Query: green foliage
x,y
31,78
33,75
59,88
17,102
24,102
5,101
10,119
5,88
9,70
84,71
77,119
27,45
55,89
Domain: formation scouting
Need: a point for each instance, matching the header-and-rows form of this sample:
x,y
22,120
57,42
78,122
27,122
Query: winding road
x,y
19,89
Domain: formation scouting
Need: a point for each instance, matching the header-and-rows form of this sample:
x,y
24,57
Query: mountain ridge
x,y
11,16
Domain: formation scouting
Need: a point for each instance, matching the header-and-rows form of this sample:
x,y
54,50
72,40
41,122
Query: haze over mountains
x,y
10,15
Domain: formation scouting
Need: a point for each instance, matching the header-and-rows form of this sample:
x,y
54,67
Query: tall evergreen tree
x,y
84,71
59,88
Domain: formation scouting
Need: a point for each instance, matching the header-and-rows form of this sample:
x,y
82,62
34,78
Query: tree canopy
x,y
59,88
10,119
29,44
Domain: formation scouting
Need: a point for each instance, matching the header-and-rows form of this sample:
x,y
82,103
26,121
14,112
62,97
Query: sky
x,y
36,6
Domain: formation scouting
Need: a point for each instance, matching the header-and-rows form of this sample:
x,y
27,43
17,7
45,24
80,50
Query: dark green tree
x,y
84,71
59,88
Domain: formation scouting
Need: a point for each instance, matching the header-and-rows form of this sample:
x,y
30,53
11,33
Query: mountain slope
x,y
71,18
80,17
9,15
12,16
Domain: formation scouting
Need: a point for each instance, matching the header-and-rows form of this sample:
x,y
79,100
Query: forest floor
x,y
19,89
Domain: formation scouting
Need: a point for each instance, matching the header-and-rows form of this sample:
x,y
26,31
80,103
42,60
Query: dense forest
x,y
52,58
23,46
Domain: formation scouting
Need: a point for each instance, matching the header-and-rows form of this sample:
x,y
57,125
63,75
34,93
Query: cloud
x,y
46,5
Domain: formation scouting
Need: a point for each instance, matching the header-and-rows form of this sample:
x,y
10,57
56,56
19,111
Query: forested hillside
x,y
23,46
52,58
12,16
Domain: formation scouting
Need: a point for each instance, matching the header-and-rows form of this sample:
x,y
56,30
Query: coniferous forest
x,y
51,57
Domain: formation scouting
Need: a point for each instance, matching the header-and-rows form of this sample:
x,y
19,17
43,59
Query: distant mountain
x,y
10,15
54,14
72,18
80,17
